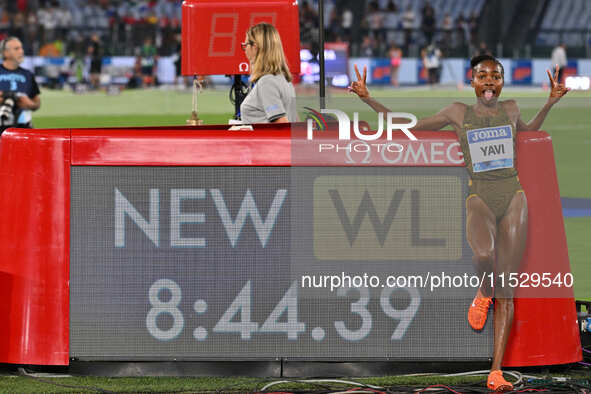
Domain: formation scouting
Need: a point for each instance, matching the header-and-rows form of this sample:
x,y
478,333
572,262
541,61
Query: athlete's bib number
x,y
491,148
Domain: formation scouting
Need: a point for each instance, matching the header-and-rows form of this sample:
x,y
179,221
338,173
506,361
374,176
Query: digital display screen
x,y
212,32
190,263
336,62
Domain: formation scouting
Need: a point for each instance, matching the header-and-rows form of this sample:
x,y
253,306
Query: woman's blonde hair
x,y
270,58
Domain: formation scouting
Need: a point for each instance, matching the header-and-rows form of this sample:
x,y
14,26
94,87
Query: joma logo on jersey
x,y
488,134
388,218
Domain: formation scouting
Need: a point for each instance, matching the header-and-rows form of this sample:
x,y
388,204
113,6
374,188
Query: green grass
x,y
130,108
578,232
25,384
22,384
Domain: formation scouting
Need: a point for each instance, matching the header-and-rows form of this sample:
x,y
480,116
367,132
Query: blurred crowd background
x,y
86,31
65,27
506,28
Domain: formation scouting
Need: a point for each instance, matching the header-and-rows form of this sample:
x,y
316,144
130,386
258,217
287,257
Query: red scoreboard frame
x,y
213,30
35,174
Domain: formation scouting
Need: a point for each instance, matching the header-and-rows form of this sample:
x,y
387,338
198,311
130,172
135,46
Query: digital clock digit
x,y
224,28
237,319
169,307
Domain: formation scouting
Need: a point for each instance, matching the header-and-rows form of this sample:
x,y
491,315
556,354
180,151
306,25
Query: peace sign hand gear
x,y
557,89
359,87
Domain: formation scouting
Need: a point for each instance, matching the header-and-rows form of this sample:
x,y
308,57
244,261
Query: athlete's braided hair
x,y
476,60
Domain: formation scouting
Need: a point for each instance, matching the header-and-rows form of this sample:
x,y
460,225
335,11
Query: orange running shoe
x,y
478,311
497,382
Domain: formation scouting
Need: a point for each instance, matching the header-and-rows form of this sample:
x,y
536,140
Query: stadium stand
x,y
566,21
122,24
383,18
61,29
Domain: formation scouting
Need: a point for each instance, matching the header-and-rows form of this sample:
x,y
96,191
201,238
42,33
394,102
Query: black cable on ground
x,y
23,372
323,387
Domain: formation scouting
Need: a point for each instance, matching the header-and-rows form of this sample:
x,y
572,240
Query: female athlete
x,y
496,208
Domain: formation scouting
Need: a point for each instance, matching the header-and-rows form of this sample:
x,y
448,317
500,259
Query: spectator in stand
x,y
462,31
427,8
50,21
447,25
165,9
347,22
31,38
33,5
408,24
559,60
149,62
41,17
368,46
103,20
64,22
334,24
178,63
176,13
328,8
392,7
473,28
95,52
4,19
90,15
18,24
428,24
391,21
432,61
374,20
308,23
124,23
10,7
77,16
135,81
77,70
21,5
483,50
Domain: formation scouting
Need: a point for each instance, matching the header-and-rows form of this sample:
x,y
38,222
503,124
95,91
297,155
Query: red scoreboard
x,y
213,30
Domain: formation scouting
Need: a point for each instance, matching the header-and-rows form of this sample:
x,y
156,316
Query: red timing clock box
x,y
213,30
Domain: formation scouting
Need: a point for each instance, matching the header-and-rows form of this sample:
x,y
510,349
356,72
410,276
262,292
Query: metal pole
x,y
321,54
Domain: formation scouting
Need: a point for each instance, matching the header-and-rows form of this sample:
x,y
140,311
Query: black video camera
x,y
9,95
7,108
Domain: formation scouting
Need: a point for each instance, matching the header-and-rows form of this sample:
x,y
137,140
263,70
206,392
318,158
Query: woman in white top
x,y
272,96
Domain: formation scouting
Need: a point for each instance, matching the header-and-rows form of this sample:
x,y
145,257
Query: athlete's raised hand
x,y
557,89
359,87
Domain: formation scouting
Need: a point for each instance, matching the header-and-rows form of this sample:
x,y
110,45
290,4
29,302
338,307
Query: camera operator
x,y
19,93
